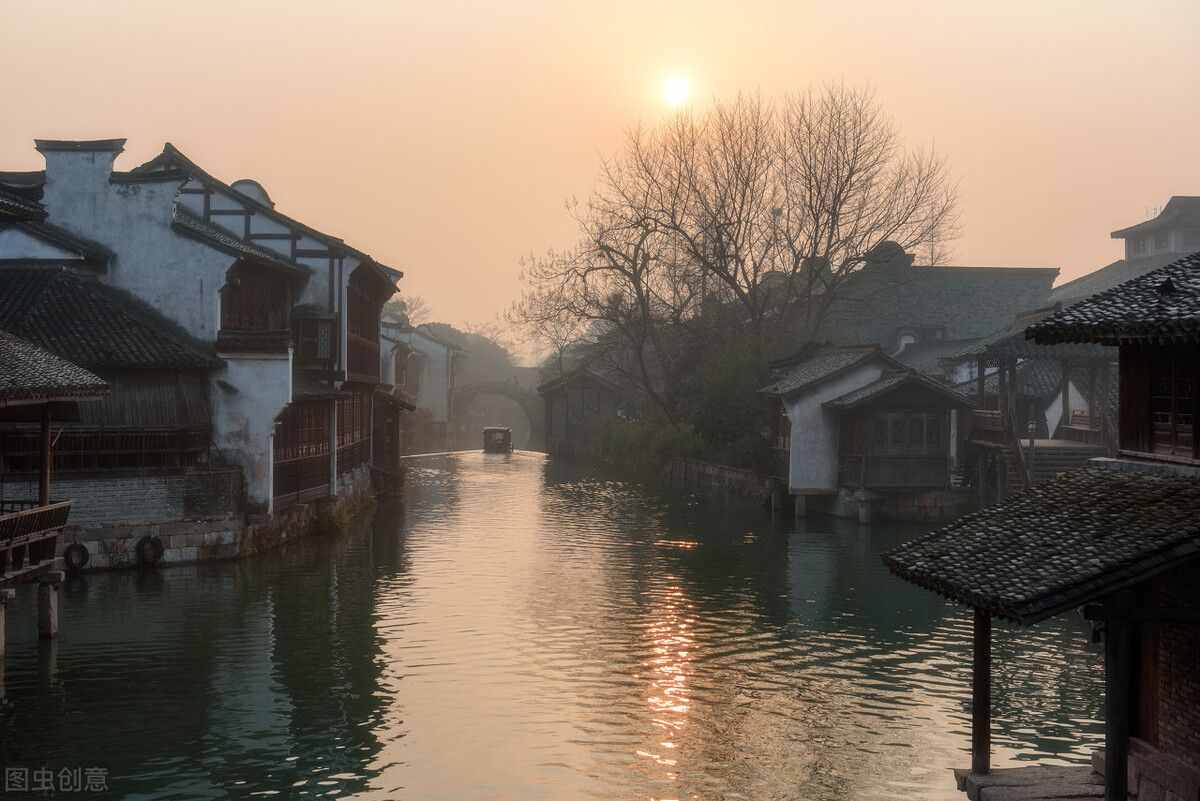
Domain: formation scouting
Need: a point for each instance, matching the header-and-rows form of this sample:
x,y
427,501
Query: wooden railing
x,y
8,507
987,425
29,538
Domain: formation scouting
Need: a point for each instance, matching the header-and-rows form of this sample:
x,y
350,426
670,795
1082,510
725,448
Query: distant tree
x,y
488,358
411,309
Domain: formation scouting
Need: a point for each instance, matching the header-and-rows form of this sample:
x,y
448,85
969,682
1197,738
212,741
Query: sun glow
x,y
676,90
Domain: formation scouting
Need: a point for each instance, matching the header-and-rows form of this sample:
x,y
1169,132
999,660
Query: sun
x,y
676,90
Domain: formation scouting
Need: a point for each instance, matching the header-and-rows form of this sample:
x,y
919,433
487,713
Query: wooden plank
x,y
1034,775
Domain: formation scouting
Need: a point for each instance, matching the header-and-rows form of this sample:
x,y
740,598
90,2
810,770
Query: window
x,y
315,343
907,434
1140,246
1161,239
1172,407
254,300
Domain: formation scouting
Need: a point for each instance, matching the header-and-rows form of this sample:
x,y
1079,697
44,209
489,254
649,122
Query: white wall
x,y
433,394
179,277
814,444
1054,411
243,420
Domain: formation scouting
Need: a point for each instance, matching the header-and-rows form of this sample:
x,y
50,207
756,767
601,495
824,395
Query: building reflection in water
x,y
522,632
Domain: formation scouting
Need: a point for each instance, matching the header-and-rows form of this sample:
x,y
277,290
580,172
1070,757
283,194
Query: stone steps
x,y
1033,783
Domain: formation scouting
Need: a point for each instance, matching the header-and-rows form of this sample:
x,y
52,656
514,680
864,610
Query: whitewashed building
x,y
424,368
290,314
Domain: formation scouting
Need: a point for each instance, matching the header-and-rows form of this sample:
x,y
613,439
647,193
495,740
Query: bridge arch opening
x,y
498,403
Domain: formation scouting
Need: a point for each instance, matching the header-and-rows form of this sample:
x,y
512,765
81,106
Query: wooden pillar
x,y
1118,689
1002,397
1092,407
333,445
44,468
981,695
48,596
1065,420
980,375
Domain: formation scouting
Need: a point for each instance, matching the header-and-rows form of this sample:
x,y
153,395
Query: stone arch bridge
x,y
528,399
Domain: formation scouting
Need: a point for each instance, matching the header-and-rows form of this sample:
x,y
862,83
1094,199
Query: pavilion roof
x,y
1063,543
30,373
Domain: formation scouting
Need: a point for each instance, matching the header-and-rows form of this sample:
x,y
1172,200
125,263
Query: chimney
x,y
76,164
889,256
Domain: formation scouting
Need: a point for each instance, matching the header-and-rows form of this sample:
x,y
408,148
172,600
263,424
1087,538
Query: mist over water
x,y
522,633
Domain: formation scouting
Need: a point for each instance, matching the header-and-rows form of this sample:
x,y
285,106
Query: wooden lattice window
x,y
1172,406
354,431
254,299
316,342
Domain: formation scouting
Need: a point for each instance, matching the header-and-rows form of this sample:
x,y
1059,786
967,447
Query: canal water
x,y
519,634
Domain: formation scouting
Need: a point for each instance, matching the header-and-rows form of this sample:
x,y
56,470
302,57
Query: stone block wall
x,y
107,498
113,545
717,479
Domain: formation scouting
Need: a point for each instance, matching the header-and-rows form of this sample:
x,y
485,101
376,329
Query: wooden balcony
x,y
362,356
29,537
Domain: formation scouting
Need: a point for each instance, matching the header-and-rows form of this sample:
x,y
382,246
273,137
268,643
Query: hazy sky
x,y
444,137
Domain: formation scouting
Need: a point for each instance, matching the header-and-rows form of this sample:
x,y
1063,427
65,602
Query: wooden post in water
x,y
6,600
981,695
44,467
48,599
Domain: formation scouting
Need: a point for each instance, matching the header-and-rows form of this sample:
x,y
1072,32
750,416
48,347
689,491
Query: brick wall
x,y
107,498
1179,670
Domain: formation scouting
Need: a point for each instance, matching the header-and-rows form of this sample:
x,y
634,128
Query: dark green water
x,y
518,635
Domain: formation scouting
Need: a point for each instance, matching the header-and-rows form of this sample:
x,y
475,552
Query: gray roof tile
x,y
78,318
1062,543
28,372
1163,304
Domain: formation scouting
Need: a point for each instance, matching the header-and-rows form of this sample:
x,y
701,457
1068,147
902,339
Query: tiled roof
x,y
822,363
890,382
95,325
1062,543
189,224
1107,277
88,250
1163,304
1180,209
1039,378
172,158
17,205
28,372
877,303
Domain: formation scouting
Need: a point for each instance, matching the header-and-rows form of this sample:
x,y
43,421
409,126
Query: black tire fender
x,y
76,558
149,551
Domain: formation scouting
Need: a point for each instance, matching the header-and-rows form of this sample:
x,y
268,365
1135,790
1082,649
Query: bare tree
x,y
737,221
847,187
